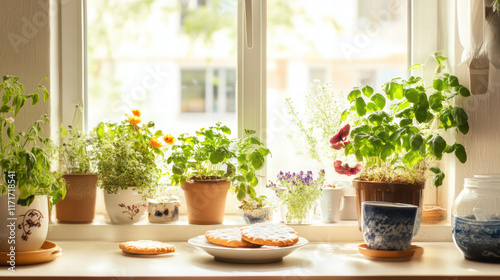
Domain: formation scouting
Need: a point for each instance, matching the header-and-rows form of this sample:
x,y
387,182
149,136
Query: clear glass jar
x,y
476,218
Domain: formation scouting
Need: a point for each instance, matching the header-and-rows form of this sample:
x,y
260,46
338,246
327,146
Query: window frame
x,y
251,99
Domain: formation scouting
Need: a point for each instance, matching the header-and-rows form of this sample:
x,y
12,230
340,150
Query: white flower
x,y
10,119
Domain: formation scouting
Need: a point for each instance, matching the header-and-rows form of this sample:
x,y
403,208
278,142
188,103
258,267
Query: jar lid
x,y
482,182
495,176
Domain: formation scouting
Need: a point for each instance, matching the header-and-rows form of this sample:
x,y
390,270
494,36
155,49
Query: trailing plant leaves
x,y
464,128
437,145
345,114
34,99
367,91
438,176
459,115
415,66
256,159
10,131
438,85
379,100
353,95
360,106
464,91
435,101
416,141
393,90
460,153
412,95
5,109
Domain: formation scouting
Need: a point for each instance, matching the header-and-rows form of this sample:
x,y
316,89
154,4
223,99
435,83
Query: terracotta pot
x,y
401,193
206,201
78,206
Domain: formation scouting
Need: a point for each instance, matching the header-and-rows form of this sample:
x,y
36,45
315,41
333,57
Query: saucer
x,y
48,252
412,251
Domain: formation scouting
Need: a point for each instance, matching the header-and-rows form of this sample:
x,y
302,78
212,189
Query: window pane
x,y
165,57
347,43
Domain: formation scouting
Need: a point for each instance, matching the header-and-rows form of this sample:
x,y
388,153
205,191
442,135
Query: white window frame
x,y
251,96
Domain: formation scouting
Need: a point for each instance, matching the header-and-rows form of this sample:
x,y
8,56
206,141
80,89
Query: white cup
x,y
331,203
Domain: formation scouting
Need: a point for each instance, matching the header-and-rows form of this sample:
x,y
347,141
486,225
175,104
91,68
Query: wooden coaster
x,y
412,251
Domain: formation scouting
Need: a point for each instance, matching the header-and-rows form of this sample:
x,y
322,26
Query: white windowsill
x,y
100,230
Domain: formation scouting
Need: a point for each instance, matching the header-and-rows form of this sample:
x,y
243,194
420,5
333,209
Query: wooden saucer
x,y
48,252
412,251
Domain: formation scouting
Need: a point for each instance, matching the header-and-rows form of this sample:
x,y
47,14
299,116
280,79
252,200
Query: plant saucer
x,y
412,251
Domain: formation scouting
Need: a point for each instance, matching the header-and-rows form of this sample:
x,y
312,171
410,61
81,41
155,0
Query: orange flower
x,y
155,143
169,139
134,120
136,112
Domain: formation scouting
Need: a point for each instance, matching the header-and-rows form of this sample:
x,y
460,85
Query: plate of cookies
x,y
257,243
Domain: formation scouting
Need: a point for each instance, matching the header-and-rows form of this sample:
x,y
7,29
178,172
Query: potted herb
x,y
28,187
399,143
256,210
127,156
297,193
205,164
164,206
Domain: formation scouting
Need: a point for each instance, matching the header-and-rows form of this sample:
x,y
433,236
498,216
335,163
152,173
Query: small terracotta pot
x,y
206,201
78,207
400,193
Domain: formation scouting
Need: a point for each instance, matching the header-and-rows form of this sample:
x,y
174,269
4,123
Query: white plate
x,y
264,254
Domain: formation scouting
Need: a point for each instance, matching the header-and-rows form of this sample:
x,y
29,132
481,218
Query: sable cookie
x,y
229,237
270,234
147,247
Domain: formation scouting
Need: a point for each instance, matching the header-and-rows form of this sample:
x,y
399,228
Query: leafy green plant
x,y
399,133
26,156
128,155
212,155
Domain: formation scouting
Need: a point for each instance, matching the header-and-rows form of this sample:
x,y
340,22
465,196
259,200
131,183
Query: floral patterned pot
x,y
27,228
125,207
163,212
257,215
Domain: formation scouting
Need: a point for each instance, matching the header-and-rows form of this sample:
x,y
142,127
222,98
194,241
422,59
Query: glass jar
x,y
476,219
297,214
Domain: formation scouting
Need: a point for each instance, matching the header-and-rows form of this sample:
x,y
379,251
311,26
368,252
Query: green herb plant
x,y
212,155
398,142
26,156
128,156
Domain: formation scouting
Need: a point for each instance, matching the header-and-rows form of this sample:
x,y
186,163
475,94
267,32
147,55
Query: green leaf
x,y
438,177
435,101
34,99
371,107
353,95
438,85
379,100
412,158
225,129
464,91
100,132
177,170
387,150
367,91
264,151
45,94
415,67
437,145
412,95
344,114
397,134
421,114
375,119
393,90
241,195
459,115
360,106
464,128
416,141
10,131
5,109
158,133
460,153
256,159
453,81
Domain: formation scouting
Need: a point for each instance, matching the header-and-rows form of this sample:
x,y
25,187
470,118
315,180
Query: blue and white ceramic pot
x,y
257,215
388,226
476,219
164,210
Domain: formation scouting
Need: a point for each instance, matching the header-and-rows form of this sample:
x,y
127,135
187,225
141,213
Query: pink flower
x,y
341,138
345,169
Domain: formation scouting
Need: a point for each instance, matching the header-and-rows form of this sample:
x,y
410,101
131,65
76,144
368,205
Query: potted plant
x,y
28,186
78,160
398,144
164,206
206,164
128,155
256,210
297,193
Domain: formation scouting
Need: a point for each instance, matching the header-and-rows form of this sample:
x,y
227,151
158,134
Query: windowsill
x,y
100,230
90,259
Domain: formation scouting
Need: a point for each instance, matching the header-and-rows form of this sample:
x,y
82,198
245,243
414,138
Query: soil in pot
x,y
78,206
206,201
377,191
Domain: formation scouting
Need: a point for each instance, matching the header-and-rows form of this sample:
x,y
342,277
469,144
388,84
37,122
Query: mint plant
x,y
212,155
398,134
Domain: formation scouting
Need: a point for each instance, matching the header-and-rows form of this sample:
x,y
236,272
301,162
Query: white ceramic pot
x,y
331,203
125,207
163,212
26,227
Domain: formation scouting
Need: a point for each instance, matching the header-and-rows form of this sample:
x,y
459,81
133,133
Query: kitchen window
x,y
177,60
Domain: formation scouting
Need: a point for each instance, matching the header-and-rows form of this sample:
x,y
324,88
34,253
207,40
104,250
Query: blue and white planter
x,y
163,211
257,215
388,226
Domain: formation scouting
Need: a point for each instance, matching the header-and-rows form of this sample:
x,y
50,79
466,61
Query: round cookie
x,y
270,234
147,247
229,237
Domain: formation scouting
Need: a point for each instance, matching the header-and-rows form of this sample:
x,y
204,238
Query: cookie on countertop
x,y
147,247
270,234
229,237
